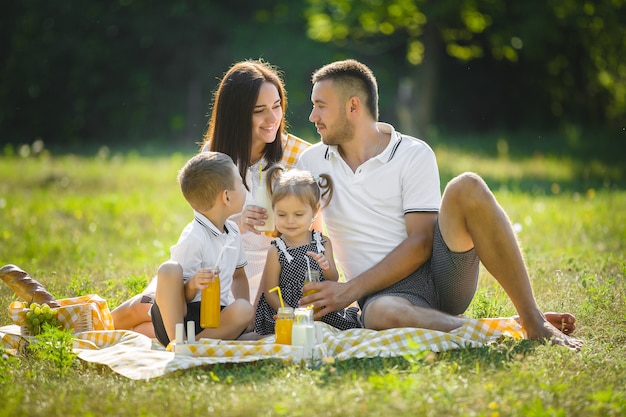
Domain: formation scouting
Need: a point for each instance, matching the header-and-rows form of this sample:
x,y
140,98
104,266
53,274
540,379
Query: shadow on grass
x,y
496,356
549,163
582,184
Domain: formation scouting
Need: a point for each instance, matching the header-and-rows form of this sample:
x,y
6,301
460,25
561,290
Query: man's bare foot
x,y
565,322
547,332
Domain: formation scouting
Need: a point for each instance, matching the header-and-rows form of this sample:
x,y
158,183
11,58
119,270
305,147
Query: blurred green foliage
x,y
85,74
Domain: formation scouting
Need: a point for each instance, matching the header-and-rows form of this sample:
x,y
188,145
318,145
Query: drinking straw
x,y
308,265
219,257
280,296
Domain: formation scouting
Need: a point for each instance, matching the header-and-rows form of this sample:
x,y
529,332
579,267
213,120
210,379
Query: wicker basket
x,y
80,314
84,323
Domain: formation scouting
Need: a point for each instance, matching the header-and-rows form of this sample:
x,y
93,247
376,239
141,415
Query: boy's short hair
x,y
204,177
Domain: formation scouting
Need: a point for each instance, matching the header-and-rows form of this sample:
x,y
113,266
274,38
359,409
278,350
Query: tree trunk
x,y
416,94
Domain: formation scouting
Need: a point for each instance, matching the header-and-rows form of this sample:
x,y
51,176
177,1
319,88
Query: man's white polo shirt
x,y
365,218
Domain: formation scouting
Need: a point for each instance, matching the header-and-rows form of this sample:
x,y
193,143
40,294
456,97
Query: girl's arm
x,y
271,274
326,261
240,287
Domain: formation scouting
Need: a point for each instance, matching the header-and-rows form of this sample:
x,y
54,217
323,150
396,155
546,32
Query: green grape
x,y
40,314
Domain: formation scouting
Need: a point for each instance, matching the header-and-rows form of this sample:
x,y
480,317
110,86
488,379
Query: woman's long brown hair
x,y
230,127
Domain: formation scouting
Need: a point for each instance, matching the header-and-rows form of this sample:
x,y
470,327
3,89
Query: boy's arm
x,y
240,287
196,283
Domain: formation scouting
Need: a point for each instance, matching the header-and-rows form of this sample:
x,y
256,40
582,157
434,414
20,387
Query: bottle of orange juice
x,y
210,303
284,325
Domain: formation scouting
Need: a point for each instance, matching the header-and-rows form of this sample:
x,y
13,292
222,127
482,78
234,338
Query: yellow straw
x,y
280,296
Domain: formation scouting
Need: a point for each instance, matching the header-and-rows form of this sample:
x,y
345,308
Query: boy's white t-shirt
x,y
200,244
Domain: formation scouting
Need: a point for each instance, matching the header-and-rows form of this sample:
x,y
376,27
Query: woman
x,y
252,87
247,122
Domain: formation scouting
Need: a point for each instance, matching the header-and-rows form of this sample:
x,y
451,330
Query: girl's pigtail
x,y
272,174
326,185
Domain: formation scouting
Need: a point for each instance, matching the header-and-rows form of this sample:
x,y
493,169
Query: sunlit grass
x,y
536,173
103,224
71,218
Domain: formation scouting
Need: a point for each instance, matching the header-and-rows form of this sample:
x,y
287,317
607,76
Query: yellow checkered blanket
x,y
138,357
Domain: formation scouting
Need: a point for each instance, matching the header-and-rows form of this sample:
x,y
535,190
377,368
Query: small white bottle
x,y
191,332
263,199
303,331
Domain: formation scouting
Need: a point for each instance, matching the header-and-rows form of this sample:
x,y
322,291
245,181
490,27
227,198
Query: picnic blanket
x,y
136,356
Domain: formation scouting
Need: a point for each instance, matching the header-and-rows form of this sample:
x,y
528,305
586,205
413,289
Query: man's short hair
x,y
353,78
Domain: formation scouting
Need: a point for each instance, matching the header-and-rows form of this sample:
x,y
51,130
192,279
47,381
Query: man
x,y
410,256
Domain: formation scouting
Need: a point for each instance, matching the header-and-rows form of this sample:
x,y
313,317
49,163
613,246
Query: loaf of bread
x,y
25,287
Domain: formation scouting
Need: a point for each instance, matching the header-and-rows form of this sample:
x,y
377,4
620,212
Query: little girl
x,y
296,200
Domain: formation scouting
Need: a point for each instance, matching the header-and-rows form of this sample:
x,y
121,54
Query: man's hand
x,y
329,296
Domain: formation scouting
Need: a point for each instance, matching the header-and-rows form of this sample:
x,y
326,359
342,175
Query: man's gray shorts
x,y
447,282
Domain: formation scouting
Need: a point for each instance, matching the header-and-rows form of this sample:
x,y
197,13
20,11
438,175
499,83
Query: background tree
x,y
490,63
133,71
137,72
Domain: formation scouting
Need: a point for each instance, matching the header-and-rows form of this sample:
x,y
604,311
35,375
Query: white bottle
x,y
303,331
263,200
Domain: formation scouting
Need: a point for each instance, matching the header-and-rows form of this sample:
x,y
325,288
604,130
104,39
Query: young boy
x,y
212,186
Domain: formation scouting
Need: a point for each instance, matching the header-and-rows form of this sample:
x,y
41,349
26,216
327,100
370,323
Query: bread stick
x,y
25,287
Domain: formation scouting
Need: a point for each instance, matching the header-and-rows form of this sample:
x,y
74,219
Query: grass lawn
x,y
102,224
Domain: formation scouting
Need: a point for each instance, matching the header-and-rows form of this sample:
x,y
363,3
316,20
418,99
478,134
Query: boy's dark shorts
x,y
193,314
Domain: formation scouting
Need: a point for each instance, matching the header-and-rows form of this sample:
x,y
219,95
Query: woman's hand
x,y
252,216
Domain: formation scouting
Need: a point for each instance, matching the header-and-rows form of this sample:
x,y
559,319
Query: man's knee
x,y
385,313
467,189
467,183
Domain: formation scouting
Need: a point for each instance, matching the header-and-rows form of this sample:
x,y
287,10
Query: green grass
x,y
103,224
